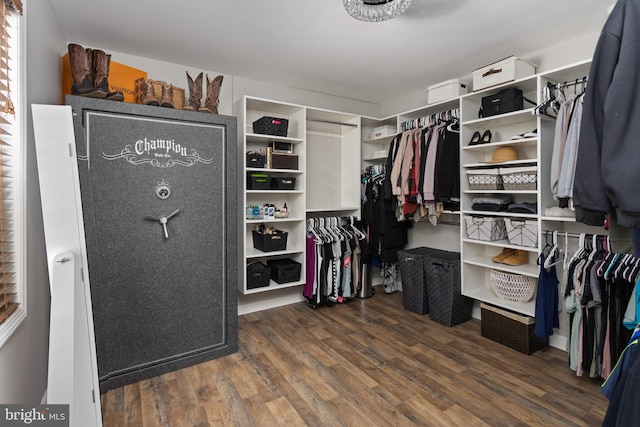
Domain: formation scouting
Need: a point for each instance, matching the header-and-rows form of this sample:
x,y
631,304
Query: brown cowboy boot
x,y
167,95
80,61
101,62
213,92
195,93
148,93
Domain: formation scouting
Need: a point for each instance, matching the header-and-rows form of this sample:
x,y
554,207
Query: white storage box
x,y
487,228
485,179
522,178
522,232
445,91
503,71
383,131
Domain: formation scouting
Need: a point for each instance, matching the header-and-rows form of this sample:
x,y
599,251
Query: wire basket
x,y
513,287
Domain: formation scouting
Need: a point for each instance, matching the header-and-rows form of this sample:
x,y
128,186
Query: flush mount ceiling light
x,y
375,10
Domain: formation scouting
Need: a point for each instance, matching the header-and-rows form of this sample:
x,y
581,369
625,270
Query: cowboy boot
x,y
213,92
80,61
167,95
148,93
100,67
195,93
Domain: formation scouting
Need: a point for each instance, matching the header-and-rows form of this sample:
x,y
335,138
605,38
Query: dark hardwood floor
x,y
362,363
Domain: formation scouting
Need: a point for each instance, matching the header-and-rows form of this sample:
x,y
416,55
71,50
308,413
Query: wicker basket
x,y
485,179
514,330
525,178
513,287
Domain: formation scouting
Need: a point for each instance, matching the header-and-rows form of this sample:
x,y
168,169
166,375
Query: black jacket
x,y
607,174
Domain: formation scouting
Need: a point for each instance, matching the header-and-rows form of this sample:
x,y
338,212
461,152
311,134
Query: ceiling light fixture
x,y
375,10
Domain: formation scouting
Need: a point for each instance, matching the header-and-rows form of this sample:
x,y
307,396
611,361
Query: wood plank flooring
x,y
363,363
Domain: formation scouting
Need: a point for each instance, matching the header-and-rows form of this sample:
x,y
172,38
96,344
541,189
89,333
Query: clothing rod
x,y
332,122
574,235
579,81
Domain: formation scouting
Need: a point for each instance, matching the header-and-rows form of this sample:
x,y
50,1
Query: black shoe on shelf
x,y
486,137
475,139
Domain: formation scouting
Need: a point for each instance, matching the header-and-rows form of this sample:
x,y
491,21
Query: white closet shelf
x,y
500,192
558,218
256,253
275,220
253,137
502,119
530,269
275,192
504,243
273,285
265,170
330,209
493,165
500,214
487,295
491,146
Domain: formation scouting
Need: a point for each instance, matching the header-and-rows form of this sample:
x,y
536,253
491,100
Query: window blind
x,y
10,297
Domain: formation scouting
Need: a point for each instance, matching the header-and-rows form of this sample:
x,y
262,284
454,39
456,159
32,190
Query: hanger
x,y
547,262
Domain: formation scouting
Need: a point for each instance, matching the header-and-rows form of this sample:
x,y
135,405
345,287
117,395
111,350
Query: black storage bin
x,y
414,285
258,181
283,183
284,270
258,275
277,241
271,126
446,303
284,161
255,160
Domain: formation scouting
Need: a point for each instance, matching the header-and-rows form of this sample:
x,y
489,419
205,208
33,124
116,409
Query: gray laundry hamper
x,y
415,297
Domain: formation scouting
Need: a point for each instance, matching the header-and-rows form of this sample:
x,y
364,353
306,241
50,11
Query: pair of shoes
x,y
211,100
477,138
512,257
148,94
90,72
531,134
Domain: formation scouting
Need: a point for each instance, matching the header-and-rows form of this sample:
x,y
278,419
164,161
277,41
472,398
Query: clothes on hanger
x,y
597,286
424,164
333,260
607,170
565,149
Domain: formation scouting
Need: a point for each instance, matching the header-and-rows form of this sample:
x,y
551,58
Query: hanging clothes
x,y
546,304
607,172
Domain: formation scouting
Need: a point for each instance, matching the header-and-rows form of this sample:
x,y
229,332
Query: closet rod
x,y
579,81
332,122
574,235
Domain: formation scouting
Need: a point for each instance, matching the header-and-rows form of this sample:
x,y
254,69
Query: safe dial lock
x,y
163,191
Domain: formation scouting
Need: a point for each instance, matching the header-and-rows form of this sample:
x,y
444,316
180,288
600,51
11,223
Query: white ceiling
x,y
314,44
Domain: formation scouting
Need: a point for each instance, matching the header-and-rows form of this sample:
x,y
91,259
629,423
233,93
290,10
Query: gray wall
x,y
23,358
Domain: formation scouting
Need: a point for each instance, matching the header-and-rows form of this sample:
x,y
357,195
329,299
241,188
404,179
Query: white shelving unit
x,y
476,255
327,178
253,109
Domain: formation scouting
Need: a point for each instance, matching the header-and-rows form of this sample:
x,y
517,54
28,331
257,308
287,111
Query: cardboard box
x,y
121,77
503,71
178,93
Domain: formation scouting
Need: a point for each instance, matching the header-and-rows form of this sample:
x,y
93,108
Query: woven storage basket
x,y
513,287
415,297
525,178
514,330
485,179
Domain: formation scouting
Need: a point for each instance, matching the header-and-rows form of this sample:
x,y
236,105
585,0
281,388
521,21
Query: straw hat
x,y
504,154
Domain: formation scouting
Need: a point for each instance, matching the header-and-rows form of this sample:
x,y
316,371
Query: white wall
x,y
564,53
23,359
